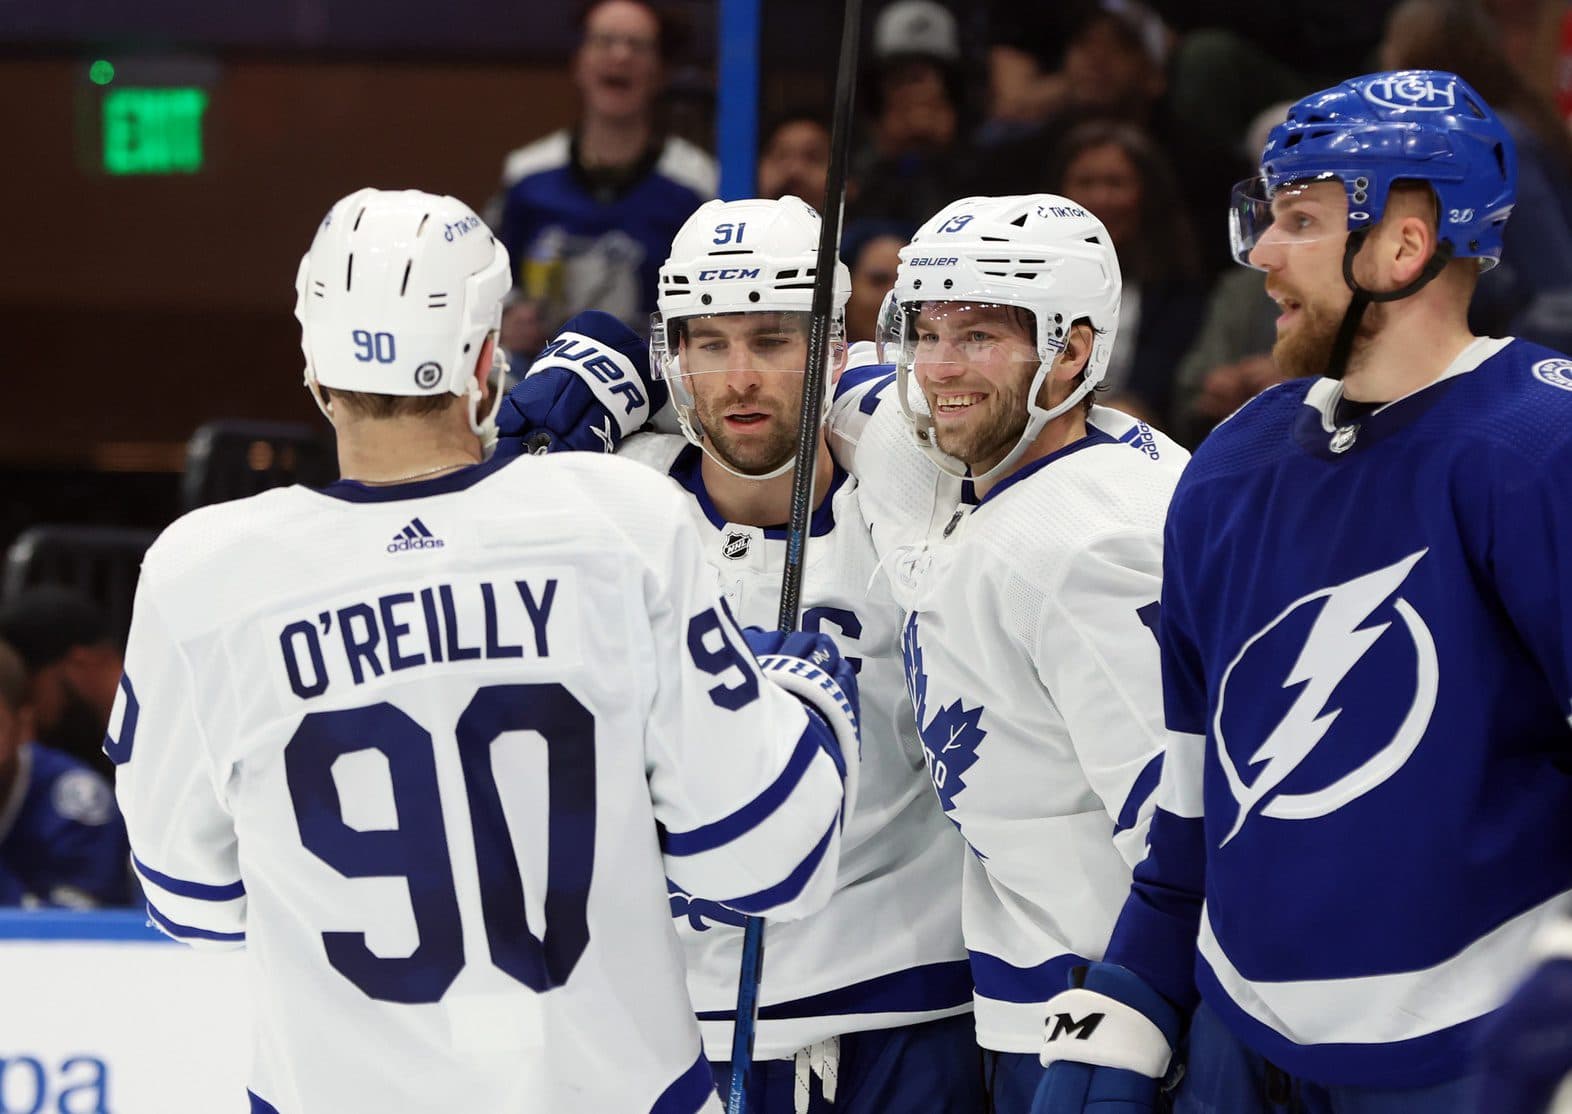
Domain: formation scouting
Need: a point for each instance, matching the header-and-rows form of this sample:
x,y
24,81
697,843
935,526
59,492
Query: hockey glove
x,y
810,667
588,389
1106,1045
1525,1048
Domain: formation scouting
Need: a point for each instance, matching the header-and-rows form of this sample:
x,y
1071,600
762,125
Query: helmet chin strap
x,y
1343,343
1036,418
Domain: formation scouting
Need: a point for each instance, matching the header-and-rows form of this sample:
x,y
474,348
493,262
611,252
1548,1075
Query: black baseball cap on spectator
x,y
46,622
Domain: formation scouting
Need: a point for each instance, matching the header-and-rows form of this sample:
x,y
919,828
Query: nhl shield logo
x,y
1344,438
736,546
1556,373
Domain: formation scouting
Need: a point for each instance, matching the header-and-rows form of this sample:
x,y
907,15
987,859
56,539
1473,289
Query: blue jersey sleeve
x,y
1156,933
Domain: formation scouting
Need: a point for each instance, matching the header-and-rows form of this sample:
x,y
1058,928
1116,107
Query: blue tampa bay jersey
x,y
577,247
1366,663
62,841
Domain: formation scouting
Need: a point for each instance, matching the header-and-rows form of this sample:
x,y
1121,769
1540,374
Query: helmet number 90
x,y
373,346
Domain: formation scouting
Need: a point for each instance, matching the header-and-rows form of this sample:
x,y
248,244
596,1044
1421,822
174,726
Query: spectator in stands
x,y
1117,172
871,250
912,163
1027,84
62,841
587,213
1230,361
73,669
794,159
1233,58
1529,294
1114,68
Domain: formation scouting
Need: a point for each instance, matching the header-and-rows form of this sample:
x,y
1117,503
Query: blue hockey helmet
x,y
1425,126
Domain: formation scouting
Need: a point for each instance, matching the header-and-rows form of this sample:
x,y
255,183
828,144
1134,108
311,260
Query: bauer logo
x,y
1556,373
722,274
1413,91
933,261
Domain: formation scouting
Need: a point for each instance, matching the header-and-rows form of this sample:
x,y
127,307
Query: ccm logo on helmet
x,y
937,261
715,273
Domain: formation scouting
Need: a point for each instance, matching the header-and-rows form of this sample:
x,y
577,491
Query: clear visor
x,y
736,383
1293,214
729,344
942,340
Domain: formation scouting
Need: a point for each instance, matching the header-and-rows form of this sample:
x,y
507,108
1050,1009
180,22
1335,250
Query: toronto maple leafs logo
x,y
951,737
697,910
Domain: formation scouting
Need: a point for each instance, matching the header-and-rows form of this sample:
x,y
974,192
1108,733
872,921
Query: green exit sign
x,y
153,131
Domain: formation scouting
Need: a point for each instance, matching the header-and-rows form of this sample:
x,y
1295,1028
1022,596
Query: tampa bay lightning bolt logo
x,y
1343,659
697,910
950,738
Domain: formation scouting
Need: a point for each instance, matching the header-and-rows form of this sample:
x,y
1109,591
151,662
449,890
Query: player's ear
x,y
1077,350
483,374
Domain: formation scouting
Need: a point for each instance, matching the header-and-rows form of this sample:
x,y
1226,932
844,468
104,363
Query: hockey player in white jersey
x,y
864,1005
428,742
1023,527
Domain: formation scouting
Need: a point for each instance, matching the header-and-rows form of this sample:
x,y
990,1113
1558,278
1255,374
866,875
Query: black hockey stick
x,y
813,388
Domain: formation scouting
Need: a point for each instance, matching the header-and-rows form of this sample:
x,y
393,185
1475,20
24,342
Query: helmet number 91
x,y
729,232
373,346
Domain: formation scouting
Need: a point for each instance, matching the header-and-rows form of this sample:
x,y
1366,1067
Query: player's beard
x,y
754,454
1307,349
990,430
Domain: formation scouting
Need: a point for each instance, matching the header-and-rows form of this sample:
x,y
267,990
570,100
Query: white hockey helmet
x,y
397,296
759,255
1039,252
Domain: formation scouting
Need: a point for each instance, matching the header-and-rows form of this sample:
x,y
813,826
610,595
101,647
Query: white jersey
x,y
1031,658
430,751
887,948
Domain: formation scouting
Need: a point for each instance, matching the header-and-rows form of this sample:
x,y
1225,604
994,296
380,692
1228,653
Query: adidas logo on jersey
x,y
1139,436
414,536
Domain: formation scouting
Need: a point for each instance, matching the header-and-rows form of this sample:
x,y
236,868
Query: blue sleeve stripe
x,y
689,1092
931,987
793,884
875,394
1005,982
186,932
1141,792
260,1106
181,888
855,377
707,837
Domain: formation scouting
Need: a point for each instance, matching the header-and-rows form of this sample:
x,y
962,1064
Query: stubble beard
x,y
752,455
987,437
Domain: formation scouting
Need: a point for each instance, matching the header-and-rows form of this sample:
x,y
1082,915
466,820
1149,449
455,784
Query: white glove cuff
x,y
1091,1028
812,685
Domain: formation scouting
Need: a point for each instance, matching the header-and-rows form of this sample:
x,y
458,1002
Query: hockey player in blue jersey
x,y
865,1006
430,741
62,841
1364,632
